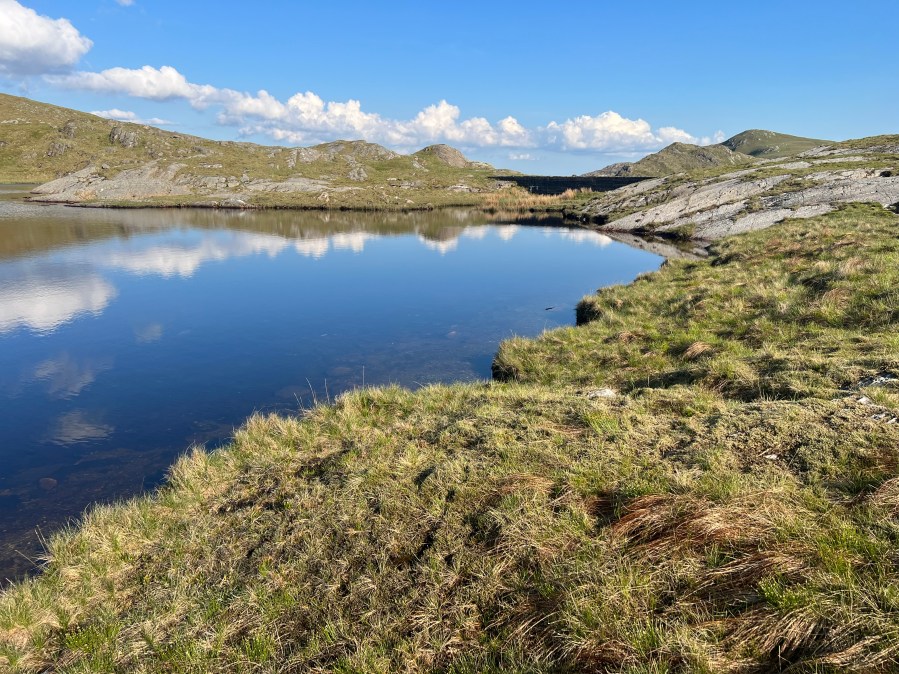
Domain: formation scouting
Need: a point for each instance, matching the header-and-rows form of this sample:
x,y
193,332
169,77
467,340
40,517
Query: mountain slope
x,y
740,149
770,144
122,163
677,158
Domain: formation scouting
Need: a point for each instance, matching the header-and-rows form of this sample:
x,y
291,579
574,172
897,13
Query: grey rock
x,y
358,174
69,129
790,166
296,184
150,180
352,150
233,203
838,160
302,155
733,174
120,135
739,201
57,149
695,201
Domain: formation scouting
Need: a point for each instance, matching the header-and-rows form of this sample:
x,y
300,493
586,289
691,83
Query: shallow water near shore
x,y
128,335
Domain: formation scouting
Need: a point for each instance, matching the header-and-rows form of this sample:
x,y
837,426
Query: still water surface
x,y
127,336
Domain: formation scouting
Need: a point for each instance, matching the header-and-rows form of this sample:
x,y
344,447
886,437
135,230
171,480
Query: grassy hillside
x,y
771,145
677,158
40,142
741,149
731,508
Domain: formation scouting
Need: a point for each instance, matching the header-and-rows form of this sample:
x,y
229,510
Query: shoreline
x,y
716,433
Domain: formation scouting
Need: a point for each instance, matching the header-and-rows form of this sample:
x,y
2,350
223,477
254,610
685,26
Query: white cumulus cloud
x,y
32,44
306,118
157,84
609,131
128,116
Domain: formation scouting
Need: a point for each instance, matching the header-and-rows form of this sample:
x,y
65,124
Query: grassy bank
x,y
732,508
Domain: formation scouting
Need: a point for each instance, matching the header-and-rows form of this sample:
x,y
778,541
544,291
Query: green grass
x,y
734,509
807,309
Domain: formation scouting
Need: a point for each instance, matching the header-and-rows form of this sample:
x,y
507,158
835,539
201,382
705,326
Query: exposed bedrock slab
x,y
737,202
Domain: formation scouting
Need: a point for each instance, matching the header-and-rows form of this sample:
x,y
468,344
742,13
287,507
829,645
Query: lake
x,y
126,336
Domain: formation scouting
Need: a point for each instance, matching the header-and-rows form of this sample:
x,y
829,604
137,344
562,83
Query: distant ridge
x,y
676,158
770,144
740,149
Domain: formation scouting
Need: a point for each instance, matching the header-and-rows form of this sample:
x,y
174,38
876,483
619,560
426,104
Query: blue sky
x,y
528,85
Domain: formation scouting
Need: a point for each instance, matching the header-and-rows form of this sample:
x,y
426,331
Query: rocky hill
x,y
89,159
676,158
716,202
771,145
740,149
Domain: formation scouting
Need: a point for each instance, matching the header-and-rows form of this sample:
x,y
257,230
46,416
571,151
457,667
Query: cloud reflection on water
x,y
66,376
44,297
145,334
45,291
183,258
79,426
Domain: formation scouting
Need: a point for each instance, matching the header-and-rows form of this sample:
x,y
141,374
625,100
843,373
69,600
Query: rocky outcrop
x,y
127,138
747,199
57,149
150,180
354,150
295,184
155,180
448,155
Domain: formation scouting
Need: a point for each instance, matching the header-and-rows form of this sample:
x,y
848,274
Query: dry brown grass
x,y
518,199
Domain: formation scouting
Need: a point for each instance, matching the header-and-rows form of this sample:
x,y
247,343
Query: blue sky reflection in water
x,y
125,336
